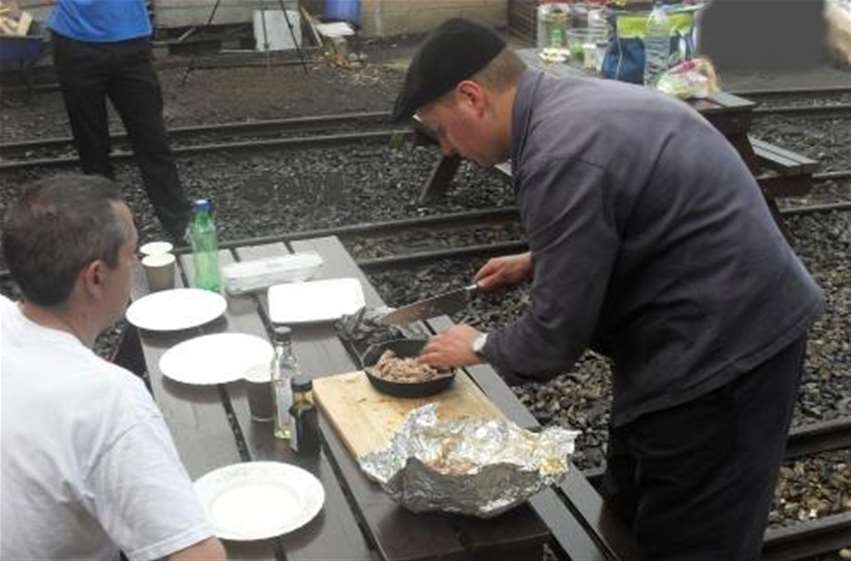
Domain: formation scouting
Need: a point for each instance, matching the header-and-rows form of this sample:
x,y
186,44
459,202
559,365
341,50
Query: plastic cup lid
x,y
156,248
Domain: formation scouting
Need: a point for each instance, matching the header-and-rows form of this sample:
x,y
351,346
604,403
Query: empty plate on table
x,y
259,500
216,359
175,309
314,301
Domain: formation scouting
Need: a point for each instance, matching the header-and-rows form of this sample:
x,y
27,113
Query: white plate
x,y
259,500
323,300
216,359
179,308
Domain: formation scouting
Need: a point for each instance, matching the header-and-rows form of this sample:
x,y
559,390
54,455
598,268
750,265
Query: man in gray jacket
x,y
650,242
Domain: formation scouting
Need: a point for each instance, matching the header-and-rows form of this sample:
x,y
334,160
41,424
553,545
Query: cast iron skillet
x,y
404,348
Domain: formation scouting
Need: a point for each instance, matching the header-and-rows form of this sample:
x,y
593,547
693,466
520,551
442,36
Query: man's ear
x,y
471,95
93,277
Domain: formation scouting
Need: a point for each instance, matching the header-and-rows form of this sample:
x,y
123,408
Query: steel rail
x,y
839,109
832,175
279,143
272,125
824,436
830,90
807,539
480,217
486,216
376,264
816,209
412,259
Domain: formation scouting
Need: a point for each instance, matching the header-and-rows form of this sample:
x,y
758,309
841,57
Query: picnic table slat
x,y
334,535
194,415
519,531
321,353
391,525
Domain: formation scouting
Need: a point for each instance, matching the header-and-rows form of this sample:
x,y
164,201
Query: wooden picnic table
x,y
212,428
779,172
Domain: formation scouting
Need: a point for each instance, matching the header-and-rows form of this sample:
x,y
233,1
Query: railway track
x,y
838,110
829,102
272,126
282,134
786,92
303,132
446,222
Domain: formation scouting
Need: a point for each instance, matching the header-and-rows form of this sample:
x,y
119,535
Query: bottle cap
x,y
201,205
282,333
302,384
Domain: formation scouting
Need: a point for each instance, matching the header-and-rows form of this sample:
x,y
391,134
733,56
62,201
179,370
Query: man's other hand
x,y
504,271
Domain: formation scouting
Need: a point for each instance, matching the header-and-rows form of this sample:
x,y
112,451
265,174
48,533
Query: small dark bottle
x,y
304,422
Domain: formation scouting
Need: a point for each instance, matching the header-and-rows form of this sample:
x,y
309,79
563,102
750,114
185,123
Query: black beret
x,y
452,52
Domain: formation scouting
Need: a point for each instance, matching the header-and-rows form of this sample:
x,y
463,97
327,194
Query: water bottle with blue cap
x,y
205,247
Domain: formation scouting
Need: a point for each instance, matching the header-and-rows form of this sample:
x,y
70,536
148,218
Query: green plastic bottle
x,y
205,247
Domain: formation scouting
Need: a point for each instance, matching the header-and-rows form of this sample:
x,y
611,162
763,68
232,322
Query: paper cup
x,y
260,401
159,270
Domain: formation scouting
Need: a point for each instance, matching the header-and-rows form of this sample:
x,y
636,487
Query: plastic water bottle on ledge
x,y
657,44
205,247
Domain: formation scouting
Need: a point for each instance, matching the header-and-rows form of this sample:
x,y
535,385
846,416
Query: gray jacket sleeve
x,y
573,238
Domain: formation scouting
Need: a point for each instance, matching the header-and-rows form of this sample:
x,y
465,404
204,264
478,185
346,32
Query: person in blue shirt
x,y
101,49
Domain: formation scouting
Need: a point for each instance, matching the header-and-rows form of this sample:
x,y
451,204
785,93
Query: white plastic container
x,y
259,274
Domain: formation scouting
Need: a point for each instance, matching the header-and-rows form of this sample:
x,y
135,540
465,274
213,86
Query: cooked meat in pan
x,y
404,370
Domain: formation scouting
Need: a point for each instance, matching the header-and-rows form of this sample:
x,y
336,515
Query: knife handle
x,y
472,289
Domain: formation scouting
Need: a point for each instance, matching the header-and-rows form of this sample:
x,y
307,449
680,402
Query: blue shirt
x,y
100,21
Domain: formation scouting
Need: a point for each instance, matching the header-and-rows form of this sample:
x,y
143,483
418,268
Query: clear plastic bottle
x,y
283,369
205,247
657,44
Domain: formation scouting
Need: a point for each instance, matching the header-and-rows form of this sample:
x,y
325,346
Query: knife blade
x,y
445,303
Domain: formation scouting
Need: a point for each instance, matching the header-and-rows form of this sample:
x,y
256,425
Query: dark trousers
x,y
89,73
695,482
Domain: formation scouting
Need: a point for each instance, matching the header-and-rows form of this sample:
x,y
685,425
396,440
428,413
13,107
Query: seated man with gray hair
x,y
88,465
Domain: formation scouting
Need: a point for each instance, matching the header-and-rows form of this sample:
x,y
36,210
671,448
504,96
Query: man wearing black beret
x,y
650,243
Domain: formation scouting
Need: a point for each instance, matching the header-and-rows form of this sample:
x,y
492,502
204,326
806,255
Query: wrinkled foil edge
x,y
470,466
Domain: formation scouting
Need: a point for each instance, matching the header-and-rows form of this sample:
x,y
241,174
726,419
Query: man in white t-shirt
x,y
88,465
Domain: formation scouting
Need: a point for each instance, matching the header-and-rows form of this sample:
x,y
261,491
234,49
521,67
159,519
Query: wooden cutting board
x,y
366,419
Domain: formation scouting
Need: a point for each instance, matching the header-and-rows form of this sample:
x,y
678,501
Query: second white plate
x,y
259,500
175,309
216,359
314,301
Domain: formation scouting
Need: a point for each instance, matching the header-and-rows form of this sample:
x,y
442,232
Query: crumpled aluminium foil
x,y
469,466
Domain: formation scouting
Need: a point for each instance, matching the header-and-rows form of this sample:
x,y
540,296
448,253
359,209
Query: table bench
x,y
779,172
212,428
